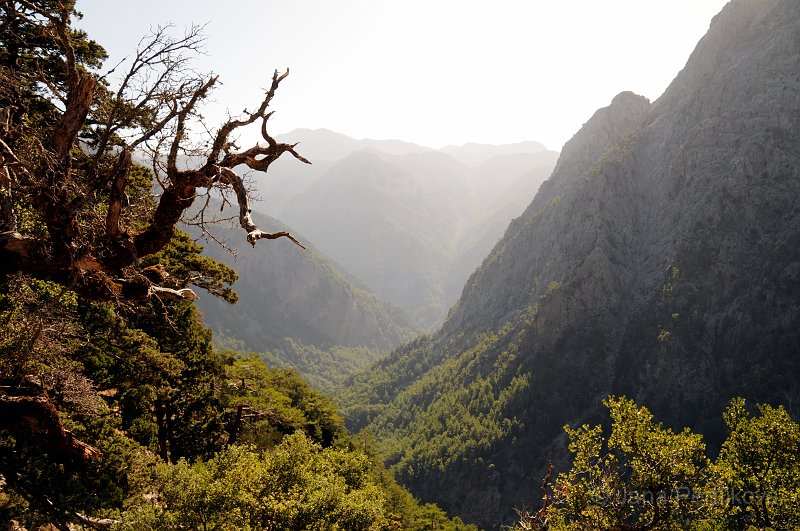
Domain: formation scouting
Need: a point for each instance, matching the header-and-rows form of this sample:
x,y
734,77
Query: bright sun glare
x,y
435,73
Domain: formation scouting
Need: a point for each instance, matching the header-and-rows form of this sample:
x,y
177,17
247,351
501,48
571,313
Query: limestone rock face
x,y
661,260
534,250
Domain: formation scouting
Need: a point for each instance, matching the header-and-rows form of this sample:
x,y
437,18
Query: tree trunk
x,y
236,427
34,418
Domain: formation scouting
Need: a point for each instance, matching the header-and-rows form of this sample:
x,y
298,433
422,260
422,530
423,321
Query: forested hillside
x,y
638,474
658,261
299,309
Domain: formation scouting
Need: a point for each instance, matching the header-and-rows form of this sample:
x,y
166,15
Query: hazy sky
x,y
434,72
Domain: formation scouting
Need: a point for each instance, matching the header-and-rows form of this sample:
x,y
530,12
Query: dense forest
x,y
640,475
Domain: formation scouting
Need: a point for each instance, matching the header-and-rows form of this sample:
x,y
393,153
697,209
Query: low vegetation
x,y
642,475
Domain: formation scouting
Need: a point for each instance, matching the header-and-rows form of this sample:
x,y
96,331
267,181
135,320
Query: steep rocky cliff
x,y
661,260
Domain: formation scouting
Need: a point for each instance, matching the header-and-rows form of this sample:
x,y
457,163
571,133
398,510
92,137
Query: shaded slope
x,y
504,192
377,220
660,260
302,308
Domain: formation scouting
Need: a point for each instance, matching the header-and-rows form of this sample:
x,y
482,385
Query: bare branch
x,y
173,294
256,235
225,131
96,523
52,87
155,110
200,93
112,69
230,177
158,66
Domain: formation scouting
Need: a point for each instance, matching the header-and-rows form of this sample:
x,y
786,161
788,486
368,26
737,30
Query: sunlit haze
x,y
430,72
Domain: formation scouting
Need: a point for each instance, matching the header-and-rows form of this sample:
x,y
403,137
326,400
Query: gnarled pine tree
x,y
67,145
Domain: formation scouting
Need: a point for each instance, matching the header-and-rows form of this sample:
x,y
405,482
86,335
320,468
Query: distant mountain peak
x,y
473,154
628,98
607,126
326,145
